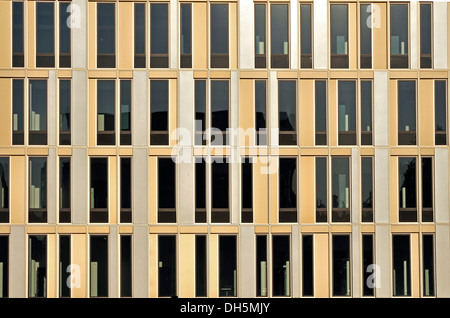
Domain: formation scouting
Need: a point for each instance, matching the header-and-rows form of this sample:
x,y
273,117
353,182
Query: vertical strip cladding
x,y
29,17
186,109
153,189
199,35
333,104
140,186
52,267
380,109
426,112
261,189
79,265
320,34
140,261
380,36
393,193
5,35
355,188
17,263
383,256
393,107
113,247
295,260
52,185
139,116
187,268
79,120
79,186
440,36
415,266
307,133
441,184
153,266
273,189
246,34
442,261
233,35
381,185
173,111
246,113
113,210
413,33
52,117
125,35
321,266
18,189
6,117
294,14
213,266
307,206
247,262
353,40
79,33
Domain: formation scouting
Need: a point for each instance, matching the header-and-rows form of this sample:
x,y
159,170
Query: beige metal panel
x,y
321,266
153,265
380,38
18,190
307,202
125,39
92,35
426,113
79,258
213,266
53,265
307,119
261,190
246,112
187,266
29,33
355,261
247,262
113,262
199,35
415,266
233,35
6,117
17,262
6,34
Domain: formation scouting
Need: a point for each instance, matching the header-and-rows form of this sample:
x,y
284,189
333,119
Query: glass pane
x,y
261,265
366,112
219,105
321,183
166,183
227,266
287,105
64,30
17,28
125,266
64,186
99,266
220,180
45,28
367,185
200,109
425,29
219,28
37,266
159,28
321,112
125,183
407,112
279,29
159,104
38,183
4,265
305,28
401,275
167,266
125,105
18,109
139,28
99,183
341,187
368,260
366,29
341,265
440,104
64,104
281,265
260,29
106,112
427,183
38,112
407,182
428,265
308,265
105,28
288,183
347,106
260,105
64,264
186,25
247,183
200,184
4,186
339,29
399,29
200,266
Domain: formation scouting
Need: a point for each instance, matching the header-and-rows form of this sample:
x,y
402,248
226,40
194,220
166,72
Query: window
x,y
17,35
401,275
220,109
260,113
37,266
220,208
167,266
399,36
440,104
4,266
200,190
308,265
279,28
4,189
261,265
288,190
366,36
341,189
186,35
247,190
341,265
159,107
366,112
64,34
125,266
347,112
106,43
339,36
406,112
367,189
64,190
321,190
125,190
200,112
159,35
125,112
281,274
200,266
106,91
45,34
306,35
321,112
287,105
407,184
425,35
99,190
227,266
219,36
427,189
64,112
99,266
260,35
37,190
368,262
64,266
166,191
428,264
139,35
18,111
38,112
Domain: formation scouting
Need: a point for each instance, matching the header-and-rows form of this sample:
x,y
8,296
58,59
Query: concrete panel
x,y
17,263
442,261
173,28
186,192
382,258
52,117
294,15
295,260
79,35
320,34
140,186
79,186
413,33
52,190
235,184
113,283
140,257
186,108
441,184
79,103
247,262
440,34
381,108
355,257
355,187
381,178
139,116
273,108
246,34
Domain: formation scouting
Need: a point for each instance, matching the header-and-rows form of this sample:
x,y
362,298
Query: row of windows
x,y
274,256
271,26
212,111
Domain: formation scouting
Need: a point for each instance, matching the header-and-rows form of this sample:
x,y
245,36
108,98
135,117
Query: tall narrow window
x,y
247,190
99,266
347,112
99,190
406,112
220,109
106,102
399,36
401,275
106,32
37,190
288,190
321,190
159,107
341,265
440,104
64,112
227,266
4,266
339,35
219,36
125,112
45,34
367,189
64,264
279,29
4,189
427,189
159,35
366,36
407,194
139,35
366,112
38,112
428,264
37,266
341,189
186,35
200,112
64,190
287,107
281,274
425,35
166,191
261,265
200,266
306,35
220,208
167,266
64,34
260,35
200,190
125,190
321,112
125,266
368,265
17,38
18,110
260,116
308,265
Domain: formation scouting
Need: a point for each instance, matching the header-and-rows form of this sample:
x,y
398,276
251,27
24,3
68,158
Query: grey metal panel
x,y
381,177
383,260
440,17
295,260
294,14
17,263
79,108
113,252
52,117
413,33
140,106
442,261
247,262
79,34
441,188
173,28
381,108
79,186
52,191
140,186
355,187
246,34
140,262
320,34
355,260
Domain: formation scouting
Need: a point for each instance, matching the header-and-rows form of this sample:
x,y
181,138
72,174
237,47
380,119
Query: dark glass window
x,y
428,264
139,35
321,112
279,28
247,190
125,190
159,35
219,36
37,190
4,266
37,266
367,189
65,262
125,112
167,266
106,101
288,190
106,31
200,266
306,35
341,189
260,110
406,112
401,275
347,112
287,106
308,265
341,265
159,106
64,112
366,36
260,35
99,190
407,193
200,190
425,35
339,35
64,190
166,191
261,265
399,35
125,266
220,209
368,263
220,104
227,266
45,34
186,35
38,112
427,190
366,112
4,189
17,35
440,104
200,112
18,110
64,35
99,266
281,265
321,190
